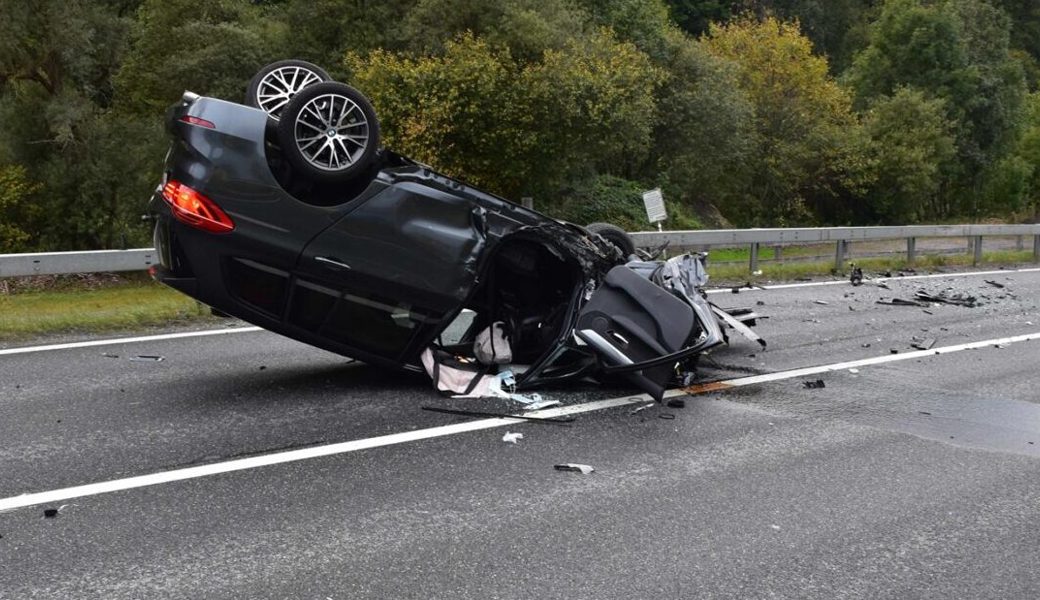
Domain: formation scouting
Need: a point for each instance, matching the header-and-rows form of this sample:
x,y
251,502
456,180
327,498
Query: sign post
x,y
654,202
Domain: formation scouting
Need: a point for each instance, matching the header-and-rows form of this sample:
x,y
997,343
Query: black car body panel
x,y
378,269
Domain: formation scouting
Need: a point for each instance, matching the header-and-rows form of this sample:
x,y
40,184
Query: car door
x,y
384,278
641,330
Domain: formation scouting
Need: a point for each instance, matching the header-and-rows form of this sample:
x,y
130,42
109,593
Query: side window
x,y
378,325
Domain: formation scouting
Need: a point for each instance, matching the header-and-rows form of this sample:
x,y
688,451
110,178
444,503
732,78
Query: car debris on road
x,y
574,467
512,437
922,343
566,420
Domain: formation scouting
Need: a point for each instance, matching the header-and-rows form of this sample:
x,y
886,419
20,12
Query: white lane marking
x,y
276,458
785,286
876,360
186,334
128,340
266,460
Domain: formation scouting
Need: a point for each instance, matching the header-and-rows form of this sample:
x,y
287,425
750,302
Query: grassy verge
x,y
796,270
66,307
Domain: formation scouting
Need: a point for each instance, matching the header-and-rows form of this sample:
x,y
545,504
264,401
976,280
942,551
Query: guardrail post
x,y
977,256
1019,244
778,253
1036,248
911,250
839,254
754,257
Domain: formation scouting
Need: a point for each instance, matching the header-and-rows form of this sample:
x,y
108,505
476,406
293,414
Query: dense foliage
x,y
745,112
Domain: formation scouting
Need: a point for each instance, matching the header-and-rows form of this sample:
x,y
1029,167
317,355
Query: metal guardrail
x,y
139,259
841,236
95,261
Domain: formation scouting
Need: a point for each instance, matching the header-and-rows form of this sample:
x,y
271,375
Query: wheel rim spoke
x,y
277,87
326,114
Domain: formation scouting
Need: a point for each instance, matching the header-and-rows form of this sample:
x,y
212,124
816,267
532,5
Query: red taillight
x,y
195,209
197,121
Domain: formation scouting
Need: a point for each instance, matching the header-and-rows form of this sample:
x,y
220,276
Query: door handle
x,y
330,260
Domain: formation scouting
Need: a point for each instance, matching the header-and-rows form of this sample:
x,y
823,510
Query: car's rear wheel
x,y
274,86
615,235
329,132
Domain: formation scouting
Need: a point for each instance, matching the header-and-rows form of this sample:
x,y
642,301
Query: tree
x,y
1013,184
515,128
1025,20
56,65
837,28
644,23
166,56
526,27
695,16
323,31
704,141
15,189
805,159
911,142
957,51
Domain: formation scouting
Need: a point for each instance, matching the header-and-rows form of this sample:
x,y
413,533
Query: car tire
x,y
329,132
615,235
276,84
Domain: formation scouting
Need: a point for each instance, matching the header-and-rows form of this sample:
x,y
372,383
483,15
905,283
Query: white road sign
x,y
654,202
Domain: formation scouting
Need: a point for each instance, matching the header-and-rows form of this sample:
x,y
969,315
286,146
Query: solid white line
x,y
785,286
878,360
433,432
128,340
266,460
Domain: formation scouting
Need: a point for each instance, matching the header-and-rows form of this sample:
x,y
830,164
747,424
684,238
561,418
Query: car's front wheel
x,y
329,132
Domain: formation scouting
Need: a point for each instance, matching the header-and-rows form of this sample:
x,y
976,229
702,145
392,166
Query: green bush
x,y
610,199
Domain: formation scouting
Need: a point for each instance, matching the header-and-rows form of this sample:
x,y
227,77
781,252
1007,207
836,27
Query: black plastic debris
x,y
147,358
574,468
814,385
893,351
760,303
821,302
107,355
735,290
566,421
923,343
900,302
50,513
995,284
262,367
676,403
857,276
946,298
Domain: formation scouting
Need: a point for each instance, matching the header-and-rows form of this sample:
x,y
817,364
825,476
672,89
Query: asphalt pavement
x,y
915,477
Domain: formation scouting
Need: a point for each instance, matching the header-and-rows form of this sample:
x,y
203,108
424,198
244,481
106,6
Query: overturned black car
x,y
287,213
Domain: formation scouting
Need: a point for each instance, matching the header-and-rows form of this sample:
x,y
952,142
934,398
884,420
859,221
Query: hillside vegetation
x,y
751,113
